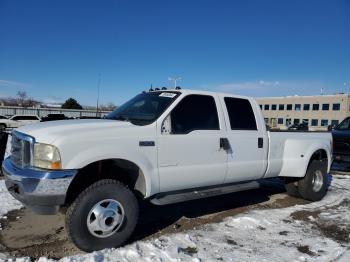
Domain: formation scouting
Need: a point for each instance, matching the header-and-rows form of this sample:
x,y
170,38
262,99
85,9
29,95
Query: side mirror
x,y
330,128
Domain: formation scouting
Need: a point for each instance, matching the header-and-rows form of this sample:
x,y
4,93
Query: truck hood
x,y
47,132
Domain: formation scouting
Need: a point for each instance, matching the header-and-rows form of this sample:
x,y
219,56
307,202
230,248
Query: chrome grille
x,y
20,151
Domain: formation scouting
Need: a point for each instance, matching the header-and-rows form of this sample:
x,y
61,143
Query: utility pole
x,y
175,79
98,92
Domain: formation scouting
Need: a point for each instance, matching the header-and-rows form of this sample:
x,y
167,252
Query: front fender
x,y
146,161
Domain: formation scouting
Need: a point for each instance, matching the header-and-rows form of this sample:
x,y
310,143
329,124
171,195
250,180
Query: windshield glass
x,y
343,125
144,108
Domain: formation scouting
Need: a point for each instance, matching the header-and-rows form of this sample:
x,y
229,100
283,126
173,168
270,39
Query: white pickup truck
x,y
165,146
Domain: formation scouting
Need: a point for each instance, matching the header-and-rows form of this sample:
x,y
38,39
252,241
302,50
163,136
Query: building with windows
x,y
317,111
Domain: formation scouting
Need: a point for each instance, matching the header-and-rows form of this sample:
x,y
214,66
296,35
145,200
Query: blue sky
x,y
56,49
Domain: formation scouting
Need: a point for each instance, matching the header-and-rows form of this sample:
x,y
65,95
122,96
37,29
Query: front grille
x,y
20,151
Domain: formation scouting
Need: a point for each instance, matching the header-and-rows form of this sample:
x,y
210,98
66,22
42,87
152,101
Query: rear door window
x,y
31,118
240,113
344,125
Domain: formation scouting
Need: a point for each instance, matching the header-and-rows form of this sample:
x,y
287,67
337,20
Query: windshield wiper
x,y
135,121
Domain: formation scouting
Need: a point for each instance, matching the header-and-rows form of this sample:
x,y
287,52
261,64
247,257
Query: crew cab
x,y
163,146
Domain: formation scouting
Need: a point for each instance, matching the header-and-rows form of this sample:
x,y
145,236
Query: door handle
x,y
260,142
225,144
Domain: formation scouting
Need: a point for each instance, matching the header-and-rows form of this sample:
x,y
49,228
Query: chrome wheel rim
x,y
317,181
105,218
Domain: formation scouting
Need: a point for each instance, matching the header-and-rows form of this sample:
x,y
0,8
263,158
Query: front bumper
x,y
43,191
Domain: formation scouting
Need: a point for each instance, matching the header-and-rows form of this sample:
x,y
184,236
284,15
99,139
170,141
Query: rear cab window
x,y
241,114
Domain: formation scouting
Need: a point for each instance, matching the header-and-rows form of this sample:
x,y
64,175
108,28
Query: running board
x,y
197,193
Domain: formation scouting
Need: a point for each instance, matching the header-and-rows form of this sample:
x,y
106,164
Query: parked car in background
x,y
3,122
341,146
53,117
17,121
300,127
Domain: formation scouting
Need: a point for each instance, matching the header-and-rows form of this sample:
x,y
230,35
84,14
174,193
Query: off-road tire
x,y
77,213
306,185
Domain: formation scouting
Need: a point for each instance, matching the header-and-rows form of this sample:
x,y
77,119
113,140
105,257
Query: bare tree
x,y
22,97
31,102
23,100
9,101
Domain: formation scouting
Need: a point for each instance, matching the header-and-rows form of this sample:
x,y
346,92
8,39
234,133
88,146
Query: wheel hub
x,y
317,181
105,218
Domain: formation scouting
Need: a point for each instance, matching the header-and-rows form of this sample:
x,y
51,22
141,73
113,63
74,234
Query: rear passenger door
x,y
189,153
247,159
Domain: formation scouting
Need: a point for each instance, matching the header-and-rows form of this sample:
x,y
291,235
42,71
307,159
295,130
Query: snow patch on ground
x,y
313,232
7,202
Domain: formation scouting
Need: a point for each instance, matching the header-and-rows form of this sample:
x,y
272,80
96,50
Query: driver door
x,y
189,153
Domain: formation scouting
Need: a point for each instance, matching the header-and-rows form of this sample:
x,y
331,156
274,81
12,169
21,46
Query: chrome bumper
x,y
43,191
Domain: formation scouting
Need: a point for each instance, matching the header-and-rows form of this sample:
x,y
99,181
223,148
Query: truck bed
x,y
290,151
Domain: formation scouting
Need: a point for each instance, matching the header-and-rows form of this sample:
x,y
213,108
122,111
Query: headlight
x,y
46,156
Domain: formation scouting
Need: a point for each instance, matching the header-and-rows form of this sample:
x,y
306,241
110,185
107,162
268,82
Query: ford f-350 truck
x,y
164,146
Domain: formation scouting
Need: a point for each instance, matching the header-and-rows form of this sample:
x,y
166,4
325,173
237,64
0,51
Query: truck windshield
x,y
344,125
144,108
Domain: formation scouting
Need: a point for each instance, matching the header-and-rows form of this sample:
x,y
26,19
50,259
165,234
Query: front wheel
x,y
103,216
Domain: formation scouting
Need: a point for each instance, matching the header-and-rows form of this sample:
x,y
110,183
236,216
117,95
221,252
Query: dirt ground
x,y
27,234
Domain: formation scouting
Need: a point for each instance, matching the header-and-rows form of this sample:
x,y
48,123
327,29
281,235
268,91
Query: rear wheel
x,y
313,186
315,183
103,216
